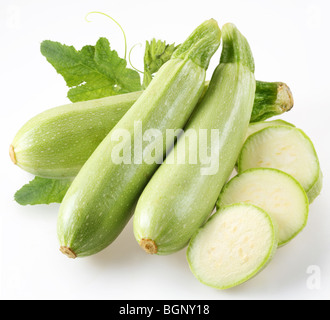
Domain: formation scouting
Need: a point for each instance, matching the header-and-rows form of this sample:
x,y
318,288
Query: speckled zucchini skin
x,y
57,142
99,203
179,198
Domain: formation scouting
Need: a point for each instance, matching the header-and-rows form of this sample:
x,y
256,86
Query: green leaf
x,y
156,54
42,191
93,72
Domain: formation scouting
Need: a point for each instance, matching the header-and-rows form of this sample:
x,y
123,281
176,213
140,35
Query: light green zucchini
x,y
180,197
56,143
285,148
275,191
233,246
100,200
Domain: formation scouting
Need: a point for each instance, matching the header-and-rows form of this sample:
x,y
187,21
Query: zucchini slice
x,y
257,126
235,244
278,193
285,148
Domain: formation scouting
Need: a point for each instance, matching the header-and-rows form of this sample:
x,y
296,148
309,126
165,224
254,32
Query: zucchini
x,y
180,197
101,199
233,246
278,193
285,148
56,143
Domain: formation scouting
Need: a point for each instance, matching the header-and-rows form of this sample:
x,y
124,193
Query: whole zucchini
x,y
56,143
180,197
100,200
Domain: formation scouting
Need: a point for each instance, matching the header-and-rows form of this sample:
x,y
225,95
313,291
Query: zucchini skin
x,y
56,143
101,199
179,199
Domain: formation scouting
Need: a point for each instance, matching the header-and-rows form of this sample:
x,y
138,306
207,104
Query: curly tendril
x,y
129,58
104,14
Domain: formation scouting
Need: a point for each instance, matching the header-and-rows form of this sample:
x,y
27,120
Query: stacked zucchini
x,y
265,206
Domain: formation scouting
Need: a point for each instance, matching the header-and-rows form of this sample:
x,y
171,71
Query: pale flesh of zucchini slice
x,y
278,193
235,244
285,148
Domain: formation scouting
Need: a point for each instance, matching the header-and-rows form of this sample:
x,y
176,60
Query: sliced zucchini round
x,y
257,126
285,148
278,193
235,244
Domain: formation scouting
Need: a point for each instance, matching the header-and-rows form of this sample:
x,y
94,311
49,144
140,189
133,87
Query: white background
x,y
290,42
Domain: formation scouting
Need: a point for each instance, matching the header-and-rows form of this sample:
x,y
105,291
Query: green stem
x,y
271,99
197,47
235,49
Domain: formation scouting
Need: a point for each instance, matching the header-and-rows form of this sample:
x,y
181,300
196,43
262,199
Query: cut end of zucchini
x,y
285,97
233,246
12,154
285,148
276,192
68,252
149,246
